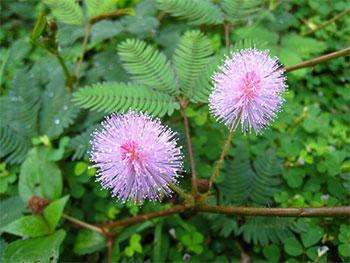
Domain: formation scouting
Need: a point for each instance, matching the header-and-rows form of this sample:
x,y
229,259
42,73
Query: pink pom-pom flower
x,y
136,157
248,89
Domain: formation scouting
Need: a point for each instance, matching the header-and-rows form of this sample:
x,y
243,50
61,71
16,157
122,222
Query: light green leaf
x,y
11,209
42,249
28,226
39,177
53,212
97,7
66,11
88,242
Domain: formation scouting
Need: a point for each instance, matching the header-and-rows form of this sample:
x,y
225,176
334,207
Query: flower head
x,y
247,90
137,157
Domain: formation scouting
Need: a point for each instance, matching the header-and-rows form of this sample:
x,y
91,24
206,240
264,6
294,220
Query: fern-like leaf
x,y
58,112
147,65
265,230
97,7
249,182
13,145
66,11
80,144
195,11
120,97
241,9
191,59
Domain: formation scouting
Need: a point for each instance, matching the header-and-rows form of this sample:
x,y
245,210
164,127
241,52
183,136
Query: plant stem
x,y
318,60
227,28
84,44
340,211
140,218
67,75
190,150
284,212
110,243
84,224
330,21
220,162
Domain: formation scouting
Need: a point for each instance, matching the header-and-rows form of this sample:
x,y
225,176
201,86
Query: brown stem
x,y
220,162
190,150
227,28
110,15
283,212
84,44
110,243
145,217
84,224
69,78
318,60
330,21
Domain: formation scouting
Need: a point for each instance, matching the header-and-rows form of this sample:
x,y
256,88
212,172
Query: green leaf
x,y
263,230
88,242
241,9
191,59
97,7
57,112
42,249
157,243
293,247
39,27
66,11
53,212
272,253
28,226
147,65
39,177
247,182
11,209
344,250
303,46
120,97
312,236
195,11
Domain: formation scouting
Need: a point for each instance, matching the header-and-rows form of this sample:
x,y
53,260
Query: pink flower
x,y
137,157
247,90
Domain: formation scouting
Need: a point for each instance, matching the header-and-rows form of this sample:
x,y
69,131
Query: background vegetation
x,y
66,64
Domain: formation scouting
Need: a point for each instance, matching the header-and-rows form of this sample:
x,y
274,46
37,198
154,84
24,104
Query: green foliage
x,y
38,225
66,11
88,242
249,182
39,176
119,97
241,9
11,209
97,7
147,65
42,249
195,11
266,230
191,58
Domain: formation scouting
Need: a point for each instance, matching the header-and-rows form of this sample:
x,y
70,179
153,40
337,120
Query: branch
x,y
318,60
330,21
111,15
81,57
84,224
141,218
190,150
220,162
283,212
